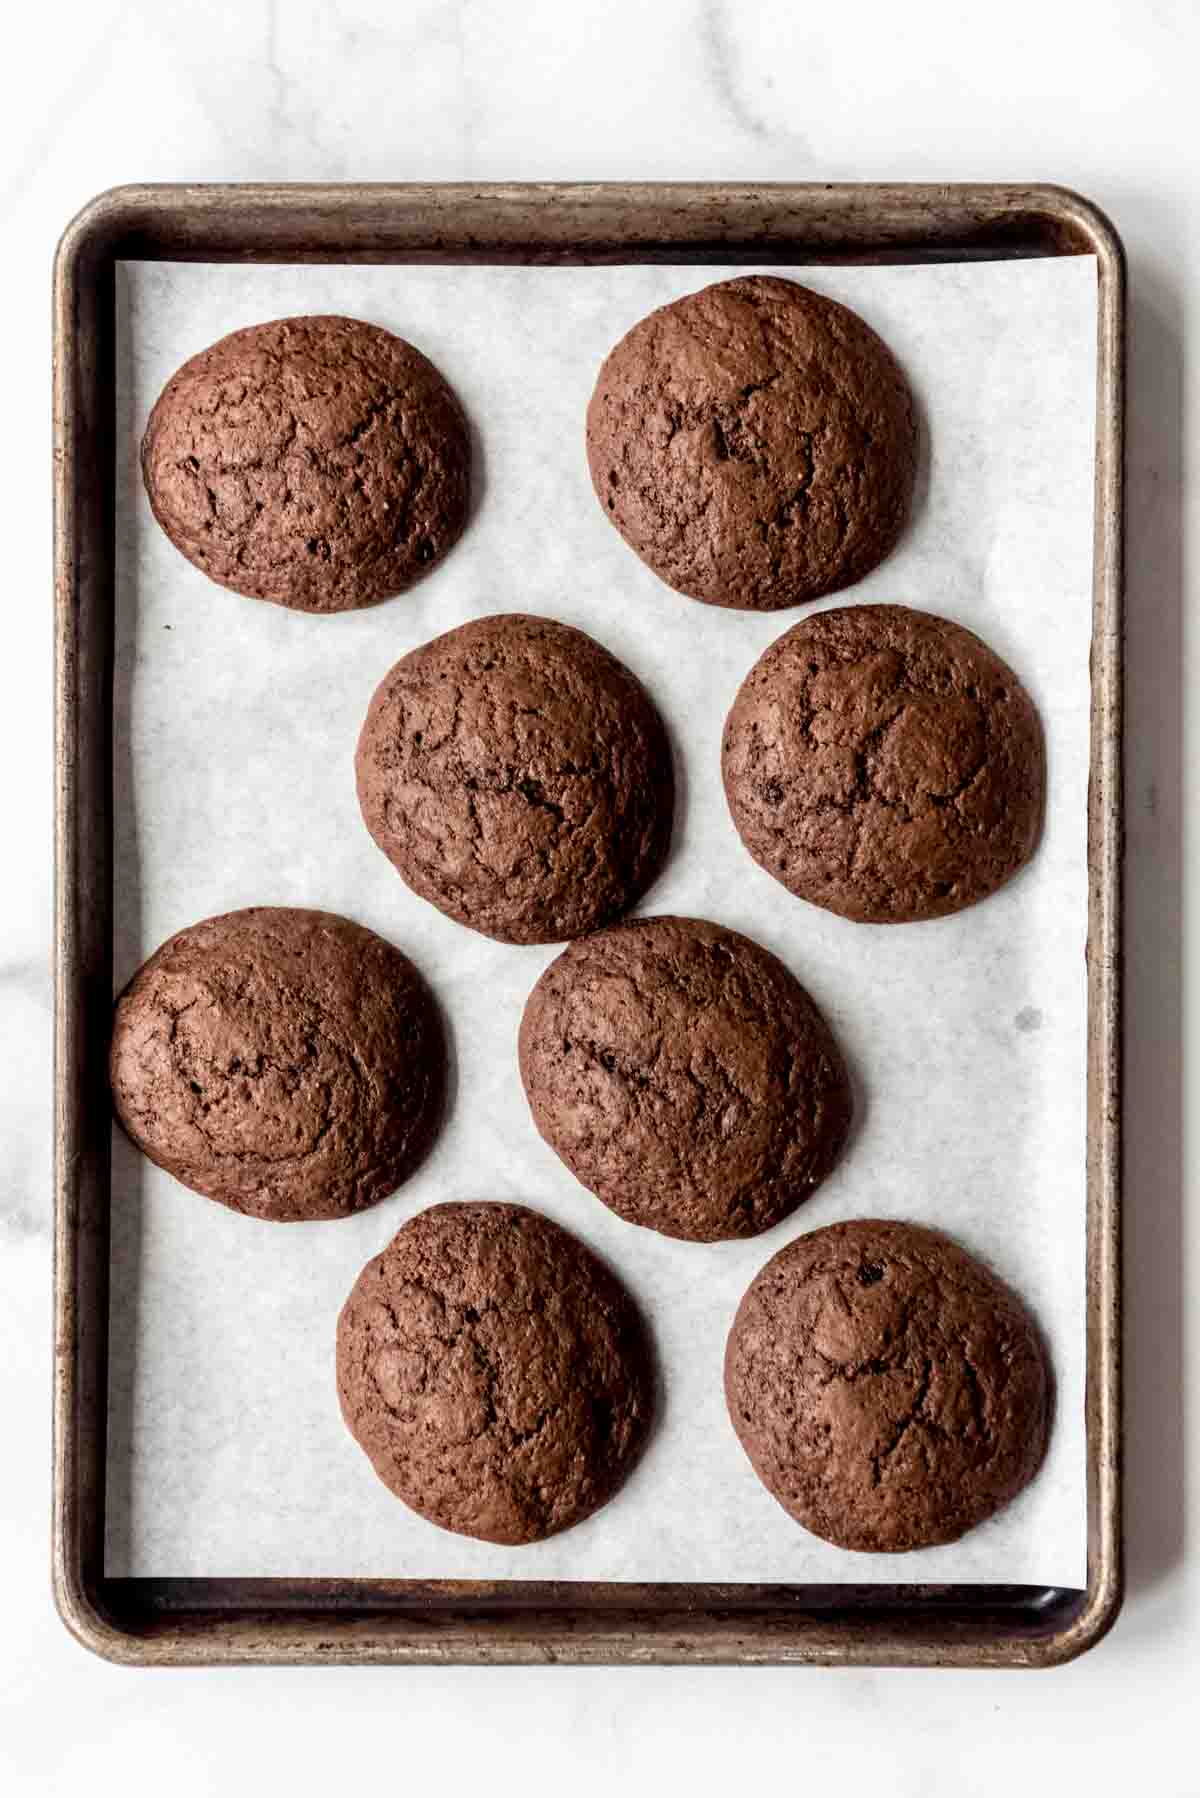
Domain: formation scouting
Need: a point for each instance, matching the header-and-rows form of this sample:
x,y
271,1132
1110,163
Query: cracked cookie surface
x,y
685,1077
518,777
754,443
885,764
890,1391
289,1064
496,1374
319,462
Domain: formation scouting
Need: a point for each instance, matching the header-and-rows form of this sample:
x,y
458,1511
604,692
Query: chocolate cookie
x,y
685,1077
318,462
289,1064
885,764
889,1390
517,777
755,443
495,1373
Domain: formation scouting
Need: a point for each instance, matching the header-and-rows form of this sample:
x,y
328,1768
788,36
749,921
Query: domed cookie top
x,y
755,443
495,1372
518,777
289,1064
889,1390
885,764
684,1076
318,462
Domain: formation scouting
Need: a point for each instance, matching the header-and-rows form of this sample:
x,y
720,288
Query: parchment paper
x,y
236,725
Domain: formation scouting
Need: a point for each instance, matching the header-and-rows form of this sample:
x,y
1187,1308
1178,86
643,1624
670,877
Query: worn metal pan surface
x,y
165,1621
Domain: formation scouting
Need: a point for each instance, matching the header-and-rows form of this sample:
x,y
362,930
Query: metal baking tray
x,y
195,1621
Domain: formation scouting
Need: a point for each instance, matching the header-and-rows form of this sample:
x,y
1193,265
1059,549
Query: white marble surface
x,y
1100,96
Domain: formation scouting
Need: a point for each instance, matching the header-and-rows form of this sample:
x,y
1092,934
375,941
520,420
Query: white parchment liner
x,y
236,725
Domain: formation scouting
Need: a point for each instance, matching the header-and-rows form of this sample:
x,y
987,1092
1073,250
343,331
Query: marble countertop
x,y
1100,97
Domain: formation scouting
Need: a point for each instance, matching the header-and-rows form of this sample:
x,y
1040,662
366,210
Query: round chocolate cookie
x,y
495,1373
518,777
890,1391
289,1064
685,1077
755,443
318,462
885,764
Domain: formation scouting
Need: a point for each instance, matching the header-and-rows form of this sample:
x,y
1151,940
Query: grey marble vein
x,y
723,63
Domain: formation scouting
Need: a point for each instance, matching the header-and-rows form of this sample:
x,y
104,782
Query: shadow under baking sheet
x,y
1155,1438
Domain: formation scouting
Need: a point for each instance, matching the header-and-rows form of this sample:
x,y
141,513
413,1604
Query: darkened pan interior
x,y
194,1621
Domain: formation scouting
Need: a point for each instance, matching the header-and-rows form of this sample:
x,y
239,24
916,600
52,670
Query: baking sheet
x,y
235,730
